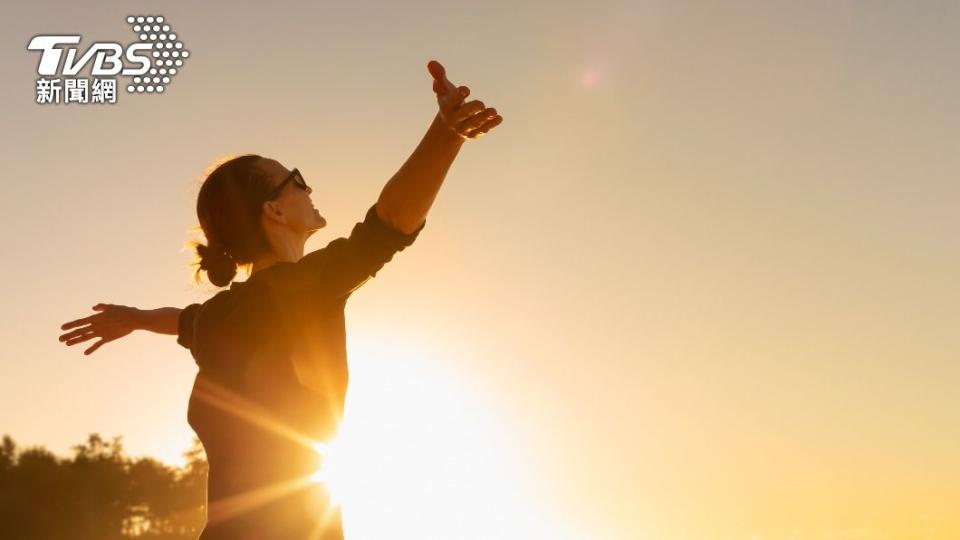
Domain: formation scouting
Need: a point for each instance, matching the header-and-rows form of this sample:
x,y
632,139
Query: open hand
x,y
469,120
113,322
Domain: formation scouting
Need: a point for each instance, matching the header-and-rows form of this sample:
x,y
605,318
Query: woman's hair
x,y
228,208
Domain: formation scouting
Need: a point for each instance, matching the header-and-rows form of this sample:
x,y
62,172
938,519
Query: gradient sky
x,y
701,282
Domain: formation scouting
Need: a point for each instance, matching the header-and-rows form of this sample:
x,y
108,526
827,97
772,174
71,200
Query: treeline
x,y
99,494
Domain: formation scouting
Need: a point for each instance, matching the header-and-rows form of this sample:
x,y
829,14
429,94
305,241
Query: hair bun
x,y
220,266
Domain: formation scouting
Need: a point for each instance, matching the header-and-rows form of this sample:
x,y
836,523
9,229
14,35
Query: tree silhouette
x,y
99,494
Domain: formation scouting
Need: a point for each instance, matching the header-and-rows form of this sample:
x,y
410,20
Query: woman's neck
x,y
284,250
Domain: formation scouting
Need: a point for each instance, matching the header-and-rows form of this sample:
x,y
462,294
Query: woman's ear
x,y
272,210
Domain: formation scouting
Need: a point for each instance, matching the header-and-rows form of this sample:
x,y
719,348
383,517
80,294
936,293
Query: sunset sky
x,y
700,284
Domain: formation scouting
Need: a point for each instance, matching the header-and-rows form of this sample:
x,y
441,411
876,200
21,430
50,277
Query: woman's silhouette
x,y
271,349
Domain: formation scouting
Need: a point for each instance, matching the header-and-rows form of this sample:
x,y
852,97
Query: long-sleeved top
x,y
273,379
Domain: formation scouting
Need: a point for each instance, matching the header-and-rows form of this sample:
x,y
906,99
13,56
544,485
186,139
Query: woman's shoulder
x,y
235,313
229,300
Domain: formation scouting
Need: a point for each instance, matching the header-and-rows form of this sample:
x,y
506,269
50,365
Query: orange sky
x,y
699,284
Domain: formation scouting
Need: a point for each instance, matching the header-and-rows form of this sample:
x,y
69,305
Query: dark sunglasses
x,y
297,179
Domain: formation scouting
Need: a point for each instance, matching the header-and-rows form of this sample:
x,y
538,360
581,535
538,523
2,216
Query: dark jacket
x,y
273,379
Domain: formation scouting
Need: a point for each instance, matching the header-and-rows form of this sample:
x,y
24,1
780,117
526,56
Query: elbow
x,y
408,227
403,224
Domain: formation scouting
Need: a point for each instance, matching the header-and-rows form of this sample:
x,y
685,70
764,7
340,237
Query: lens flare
x,y
332,469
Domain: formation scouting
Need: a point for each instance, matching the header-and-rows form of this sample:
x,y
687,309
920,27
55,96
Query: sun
x,y
419,454
422,455
333,469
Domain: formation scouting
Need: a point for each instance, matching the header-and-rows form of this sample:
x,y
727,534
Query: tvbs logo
x,y
152,62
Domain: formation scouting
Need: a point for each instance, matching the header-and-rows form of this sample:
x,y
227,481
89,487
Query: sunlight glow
x,y
419,455
333,466
225,399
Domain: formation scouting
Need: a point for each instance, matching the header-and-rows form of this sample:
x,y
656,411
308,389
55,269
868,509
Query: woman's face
x,y
293,204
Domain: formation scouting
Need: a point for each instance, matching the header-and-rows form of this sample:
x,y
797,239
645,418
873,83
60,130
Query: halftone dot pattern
x,y
165,50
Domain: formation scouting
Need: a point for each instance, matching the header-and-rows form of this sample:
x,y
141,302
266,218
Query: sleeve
x,y
185,325
345,264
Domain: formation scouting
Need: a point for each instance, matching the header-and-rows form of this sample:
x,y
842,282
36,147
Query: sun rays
x,y
418,455
319,497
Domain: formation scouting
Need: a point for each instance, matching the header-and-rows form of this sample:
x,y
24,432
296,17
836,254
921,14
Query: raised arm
x,y
115,321
409,194
395,220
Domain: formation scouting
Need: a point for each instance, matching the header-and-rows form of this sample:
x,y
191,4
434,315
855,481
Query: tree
x,y
99,494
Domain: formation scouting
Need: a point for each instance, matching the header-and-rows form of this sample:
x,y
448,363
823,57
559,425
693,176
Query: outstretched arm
x,y
115,321
408,196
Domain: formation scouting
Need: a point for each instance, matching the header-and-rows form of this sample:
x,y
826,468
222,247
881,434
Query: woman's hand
x,y
113,322
469,120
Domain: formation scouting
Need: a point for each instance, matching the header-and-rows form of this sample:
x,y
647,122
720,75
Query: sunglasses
x,y
297,179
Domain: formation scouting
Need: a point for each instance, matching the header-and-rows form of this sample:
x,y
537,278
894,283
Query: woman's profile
x,y
271,350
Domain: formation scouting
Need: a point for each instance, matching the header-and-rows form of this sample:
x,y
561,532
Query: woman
x,y
272,349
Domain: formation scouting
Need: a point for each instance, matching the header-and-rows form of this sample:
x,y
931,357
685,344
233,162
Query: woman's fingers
x,y
486,126
436,70
81,338
78,322
110,323
475,121
79,332
85,320
441,85
467,110
471,119
457,100
444,88
95,346
450,104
